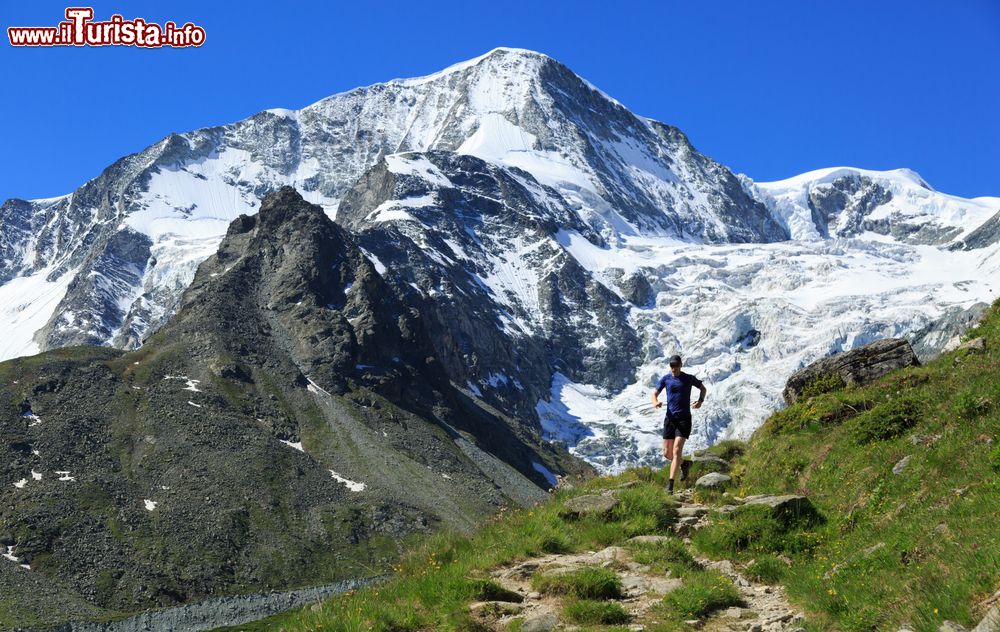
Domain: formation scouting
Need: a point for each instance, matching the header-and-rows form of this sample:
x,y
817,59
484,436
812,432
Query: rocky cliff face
x,y
289,425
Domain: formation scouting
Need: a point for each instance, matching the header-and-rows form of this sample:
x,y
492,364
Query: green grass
x,y
701,594
589,582
766,568
590,612
667,555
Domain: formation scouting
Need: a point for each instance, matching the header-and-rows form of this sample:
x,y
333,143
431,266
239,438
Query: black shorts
x,y
677,425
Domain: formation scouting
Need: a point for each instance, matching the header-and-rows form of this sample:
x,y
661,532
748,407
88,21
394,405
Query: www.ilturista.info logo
x,y
79,29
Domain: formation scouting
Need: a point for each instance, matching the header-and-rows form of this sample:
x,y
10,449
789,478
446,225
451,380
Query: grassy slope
x,y
916,547
937,518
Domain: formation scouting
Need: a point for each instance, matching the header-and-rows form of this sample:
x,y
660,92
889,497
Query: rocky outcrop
x,y
857,366
986,235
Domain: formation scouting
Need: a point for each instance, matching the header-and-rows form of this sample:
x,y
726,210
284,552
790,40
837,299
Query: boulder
x,y
857,366
714,480
588,505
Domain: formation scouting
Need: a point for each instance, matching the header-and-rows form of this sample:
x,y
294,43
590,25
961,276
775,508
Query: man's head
x,y
675,364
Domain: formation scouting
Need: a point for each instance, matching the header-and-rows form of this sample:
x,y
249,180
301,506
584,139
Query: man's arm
x,y
656,394
701,398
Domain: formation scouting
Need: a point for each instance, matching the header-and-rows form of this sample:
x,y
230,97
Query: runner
x,y
677,422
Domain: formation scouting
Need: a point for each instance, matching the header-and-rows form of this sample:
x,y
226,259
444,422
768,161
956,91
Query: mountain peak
x,y
519,60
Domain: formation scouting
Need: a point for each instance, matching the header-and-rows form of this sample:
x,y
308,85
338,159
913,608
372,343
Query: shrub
x,y
767,569
886,421
589,582
970,405
590,612
824,383
702,594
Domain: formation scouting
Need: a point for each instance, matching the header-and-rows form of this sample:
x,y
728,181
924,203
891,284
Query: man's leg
x,y
675,464
668,449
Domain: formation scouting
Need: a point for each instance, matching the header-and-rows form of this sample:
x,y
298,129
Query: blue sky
x,y
770,88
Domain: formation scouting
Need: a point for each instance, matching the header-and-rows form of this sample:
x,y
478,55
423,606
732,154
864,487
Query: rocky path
x,y
764,608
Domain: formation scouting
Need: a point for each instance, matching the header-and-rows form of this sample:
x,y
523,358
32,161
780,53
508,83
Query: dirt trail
x,y
765,608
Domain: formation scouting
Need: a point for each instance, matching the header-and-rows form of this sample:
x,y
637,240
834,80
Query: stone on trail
x,y
542,622
951,626
713,481
688,512
494,609
588,505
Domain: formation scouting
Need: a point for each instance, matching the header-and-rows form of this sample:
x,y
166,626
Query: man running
x,y
677,423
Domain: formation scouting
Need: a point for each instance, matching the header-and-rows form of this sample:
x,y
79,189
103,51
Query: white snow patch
x,y
36,475
64,475
193,404
21,483
379,266
314,388
149,504
416,165
9,555
26,304
296,445
549,476
351,485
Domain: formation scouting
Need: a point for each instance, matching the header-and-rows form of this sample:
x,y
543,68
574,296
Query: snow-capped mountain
x,y
507,192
